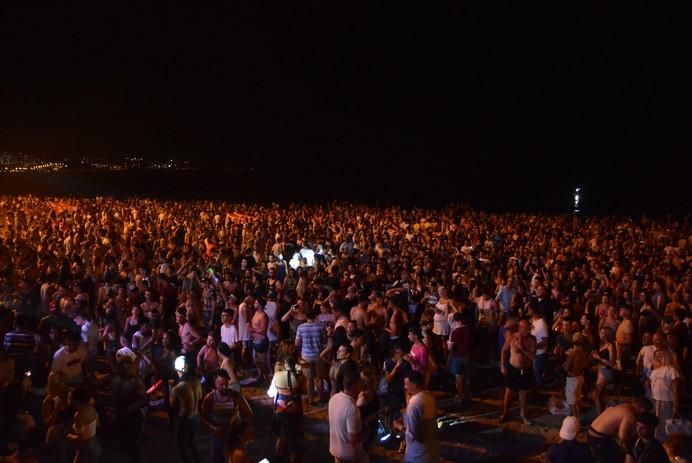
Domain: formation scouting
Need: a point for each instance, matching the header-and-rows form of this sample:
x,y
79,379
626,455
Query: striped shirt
x,y
311,336
20,346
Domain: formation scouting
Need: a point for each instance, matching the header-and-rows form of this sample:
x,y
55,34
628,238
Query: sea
x,y
281,187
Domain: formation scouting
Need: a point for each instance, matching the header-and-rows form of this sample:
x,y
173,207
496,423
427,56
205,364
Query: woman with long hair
x,y
605,358
288,405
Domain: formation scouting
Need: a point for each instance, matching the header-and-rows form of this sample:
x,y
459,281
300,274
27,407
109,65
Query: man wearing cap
x,y
568,450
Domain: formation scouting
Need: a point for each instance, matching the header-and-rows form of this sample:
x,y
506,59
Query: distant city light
x,y
576,208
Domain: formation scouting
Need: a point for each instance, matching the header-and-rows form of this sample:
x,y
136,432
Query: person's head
x,y
642,404
625,313
414,334
662,358
57,383
578,339
566,326
226,317
646,424
145,329
181,316
344,351
351,382
73,342
286,351
224,350
612,312
124,365
310,314
524,327
605,334
168,338
78,397
136,312
659,340
183,366
413,383
647,338
54,334
221,382
213,340
397,353
458,319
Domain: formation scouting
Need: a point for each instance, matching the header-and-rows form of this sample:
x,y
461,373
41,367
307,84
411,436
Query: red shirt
x,y
461,337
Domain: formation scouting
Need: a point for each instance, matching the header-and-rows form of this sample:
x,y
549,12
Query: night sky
x,y
478,92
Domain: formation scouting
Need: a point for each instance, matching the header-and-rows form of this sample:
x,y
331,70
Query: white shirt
x,y
229,335
662,383
344,419
70,363
539,329
422,441
270,309
243,324
90,338
647,354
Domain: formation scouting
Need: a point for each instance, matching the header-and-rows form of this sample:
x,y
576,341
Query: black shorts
x,y
519,380
262,347
606,449
288,426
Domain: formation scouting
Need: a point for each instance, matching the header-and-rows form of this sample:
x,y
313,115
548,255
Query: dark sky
x,y
523,92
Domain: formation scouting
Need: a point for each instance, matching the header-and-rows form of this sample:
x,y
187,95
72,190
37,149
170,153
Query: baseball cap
x,y
124,353
570,427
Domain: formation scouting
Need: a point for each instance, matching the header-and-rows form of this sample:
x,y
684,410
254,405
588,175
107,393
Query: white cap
x,y
125,352
570,428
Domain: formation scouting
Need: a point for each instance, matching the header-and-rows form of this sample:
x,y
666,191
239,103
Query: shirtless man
x,y
260,342
358,313
397,320
521,347
612,432
577,361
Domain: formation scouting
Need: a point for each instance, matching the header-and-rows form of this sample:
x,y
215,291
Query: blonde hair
x,y
663,357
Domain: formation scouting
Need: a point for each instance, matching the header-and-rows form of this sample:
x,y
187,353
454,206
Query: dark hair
x,y
348,347
224,350
221,374
339,336
416,331
644,403
310,313
648,419
74,336
349,377
81,395
415,377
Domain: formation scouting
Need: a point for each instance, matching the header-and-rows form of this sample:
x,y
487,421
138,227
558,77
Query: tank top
x,y
604,353
440,325
224,413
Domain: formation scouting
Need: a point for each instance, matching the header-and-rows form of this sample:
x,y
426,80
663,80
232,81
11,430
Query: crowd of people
x,y
113,307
